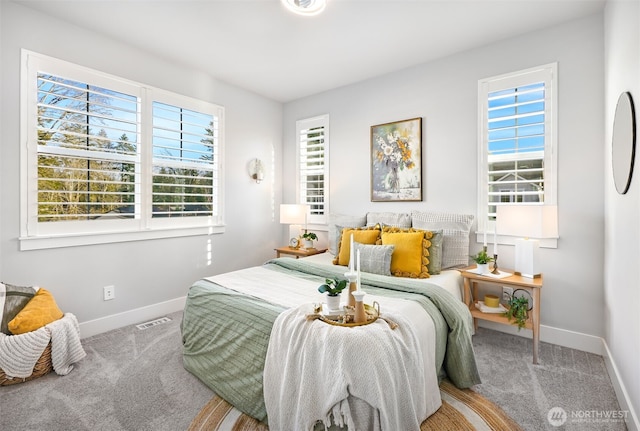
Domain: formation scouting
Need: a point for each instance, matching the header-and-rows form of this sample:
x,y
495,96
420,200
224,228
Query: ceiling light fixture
x,y
305,7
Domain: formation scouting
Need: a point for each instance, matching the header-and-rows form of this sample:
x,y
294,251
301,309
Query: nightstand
x,y
298,252
531,285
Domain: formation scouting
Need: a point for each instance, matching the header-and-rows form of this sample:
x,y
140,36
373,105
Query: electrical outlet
x,y
109,292
506,293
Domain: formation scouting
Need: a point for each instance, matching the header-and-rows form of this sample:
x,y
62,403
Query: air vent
x,y
155,322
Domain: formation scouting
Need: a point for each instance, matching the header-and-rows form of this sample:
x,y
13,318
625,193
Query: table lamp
x,y
294,214
528,222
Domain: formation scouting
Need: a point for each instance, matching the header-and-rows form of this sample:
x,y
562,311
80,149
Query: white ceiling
x,y
260,46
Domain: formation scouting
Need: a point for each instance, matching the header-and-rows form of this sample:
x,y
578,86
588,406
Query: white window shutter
x,y
517,139
312,173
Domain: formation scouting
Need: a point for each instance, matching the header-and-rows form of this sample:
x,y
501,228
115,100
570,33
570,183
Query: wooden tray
x,y
372,311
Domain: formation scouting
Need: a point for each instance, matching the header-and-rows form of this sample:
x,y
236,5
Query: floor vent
x,y
159,321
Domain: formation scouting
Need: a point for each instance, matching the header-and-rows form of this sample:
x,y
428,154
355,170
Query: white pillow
x,y
455,229
401,220
342,221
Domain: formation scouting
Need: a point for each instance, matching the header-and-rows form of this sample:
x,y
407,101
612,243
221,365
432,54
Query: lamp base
x,y
527,259
527,275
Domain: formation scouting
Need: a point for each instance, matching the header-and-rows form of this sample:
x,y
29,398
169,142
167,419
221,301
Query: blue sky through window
x,y
516,120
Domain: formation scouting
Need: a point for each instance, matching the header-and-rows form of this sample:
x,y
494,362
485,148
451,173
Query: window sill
x,y
511,240
74,240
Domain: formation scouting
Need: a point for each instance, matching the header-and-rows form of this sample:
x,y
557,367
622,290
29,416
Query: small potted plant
x,y
309,237
482,260
333,288
518,310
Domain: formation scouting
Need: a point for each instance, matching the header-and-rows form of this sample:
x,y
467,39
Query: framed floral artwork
x,y
396,161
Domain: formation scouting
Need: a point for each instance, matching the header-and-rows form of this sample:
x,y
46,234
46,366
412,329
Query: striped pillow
x,y
375,259
455,230
12,301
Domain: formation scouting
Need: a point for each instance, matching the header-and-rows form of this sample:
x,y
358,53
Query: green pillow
x,y
12,301
435,252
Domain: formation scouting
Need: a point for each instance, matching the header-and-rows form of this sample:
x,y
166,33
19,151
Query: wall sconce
x,y
530,223
256,170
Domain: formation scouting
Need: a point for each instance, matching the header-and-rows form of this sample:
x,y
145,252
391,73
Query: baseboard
x,y
130,317
633,424
549,334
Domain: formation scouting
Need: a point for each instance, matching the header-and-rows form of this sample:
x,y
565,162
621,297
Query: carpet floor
x,y
133,379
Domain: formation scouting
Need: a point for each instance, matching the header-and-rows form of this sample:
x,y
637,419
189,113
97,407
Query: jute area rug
x,y
462,410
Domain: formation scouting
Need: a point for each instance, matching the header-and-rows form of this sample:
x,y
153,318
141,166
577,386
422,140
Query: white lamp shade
x,y
293,214
529,222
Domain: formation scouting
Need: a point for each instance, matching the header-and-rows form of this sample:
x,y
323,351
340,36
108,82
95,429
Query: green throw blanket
x,y
225,333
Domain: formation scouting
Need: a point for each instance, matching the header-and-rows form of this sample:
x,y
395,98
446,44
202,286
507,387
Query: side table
x,y
298,252
531,285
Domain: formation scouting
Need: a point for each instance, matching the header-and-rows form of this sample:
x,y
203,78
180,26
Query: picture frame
x,y
396,161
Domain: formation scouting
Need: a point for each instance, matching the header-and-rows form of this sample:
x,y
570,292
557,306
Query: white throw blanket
x,y
19,353
312,368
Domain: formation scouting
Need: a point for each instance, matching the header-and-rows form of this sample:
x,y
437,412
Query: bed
x,y
228,319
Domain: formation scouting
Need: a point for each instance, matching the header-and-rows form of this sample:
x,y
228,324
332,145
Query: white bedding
x,y
289,291
312,371
450,279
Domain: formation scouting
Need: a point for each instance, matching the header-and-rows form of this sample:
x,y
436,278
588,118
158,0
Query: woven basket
x,y
42,367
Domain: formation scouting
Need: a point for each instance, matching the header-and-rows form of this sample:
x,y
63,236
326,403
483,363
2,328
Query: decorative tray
x,y
344,316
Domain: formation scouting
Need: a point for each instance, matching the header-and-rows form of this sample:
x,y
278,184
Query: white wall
x,y
144,272
444,94
622,212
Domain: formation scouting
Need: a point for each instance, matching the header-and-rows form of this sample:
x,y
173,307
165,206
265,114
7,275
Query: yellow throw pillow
x,y
362,235
411,253
39,311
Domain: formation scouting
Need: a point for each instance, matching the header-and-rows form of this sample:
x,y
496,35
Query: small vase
x,y
483,268
333,302
308,244
394,181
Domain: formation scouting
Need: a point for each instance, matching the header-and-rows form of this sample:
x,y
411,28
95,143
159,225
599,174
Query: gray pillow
x,y
375,259
12,301
455,228
336,223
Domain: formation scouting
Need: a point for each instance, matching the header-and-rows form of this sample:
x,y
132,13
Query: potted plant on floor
x,y
333,287
482,260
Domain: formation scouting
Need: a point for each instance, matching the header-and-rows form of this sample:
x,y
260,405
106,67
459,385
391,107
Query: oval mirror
x,y
623,144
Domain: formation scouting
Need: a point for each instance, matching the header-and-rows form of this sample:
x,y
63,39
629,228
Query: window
x,y
517,155
313,167
105,155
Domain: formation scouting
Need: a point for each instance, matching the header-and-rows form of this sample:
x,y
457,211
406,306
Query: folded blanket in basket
x,y
19,353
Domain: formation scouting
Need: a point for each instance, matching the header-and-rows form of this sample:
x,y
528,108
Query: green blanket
x,y
225,333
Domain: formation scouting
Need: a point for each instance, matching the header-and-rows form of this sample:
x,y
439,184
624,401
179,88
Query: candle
x,y
358,270
351,262
495,243
485,239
